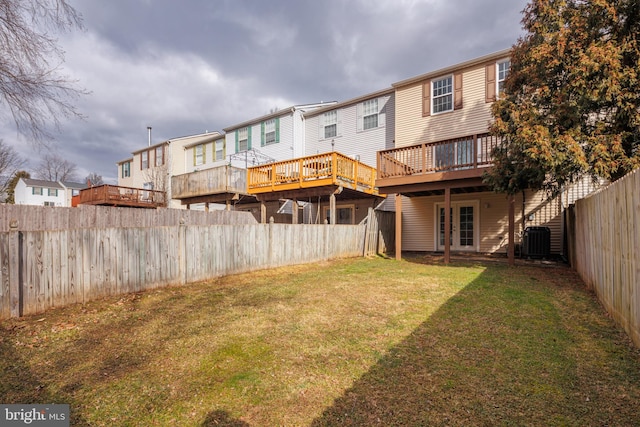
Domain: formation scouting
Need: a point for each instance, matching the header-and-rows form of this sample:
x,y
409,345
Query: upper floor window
x,y
126,169
159,156
36,190
330,124
53,192
270,132
442,95
144,160
503,72
199,153
370,114
219,153
243,139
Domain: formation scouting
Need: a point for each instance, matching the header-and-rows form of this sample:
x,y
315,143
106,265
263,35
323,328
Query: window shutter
x,y
457,94
248,137
237,145
277,129
224,149
490,86
194,155
262,134
204,153
359,117
426,98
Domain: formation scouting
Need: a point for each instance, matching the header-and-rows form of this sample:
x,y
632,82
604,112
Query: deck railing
x,y
473,151
122,196
223,179
312,171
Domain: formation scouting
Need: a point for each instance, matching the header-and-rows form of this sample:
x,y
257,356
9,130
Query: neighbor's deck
x,y
113,195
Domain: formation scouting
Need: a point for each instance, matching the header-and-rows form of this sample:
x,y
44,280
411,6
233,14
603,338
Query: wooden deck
x,y
113,195
426,167
213,185
313,172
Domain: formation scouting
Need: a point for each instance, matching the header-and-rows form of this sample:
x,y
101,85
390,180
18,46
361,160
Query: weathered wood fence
x,y
43,269
603,236
84,216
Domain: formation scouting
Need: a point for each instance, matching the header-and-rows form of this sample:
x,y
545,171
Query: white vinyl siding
x,y
350,140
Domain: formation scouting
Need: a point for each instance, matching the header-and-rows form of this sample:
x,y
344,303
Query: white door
x,y
464,226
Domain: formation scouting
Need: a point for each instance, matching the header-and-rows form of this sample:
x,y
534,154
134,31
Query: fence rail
x,y
603,236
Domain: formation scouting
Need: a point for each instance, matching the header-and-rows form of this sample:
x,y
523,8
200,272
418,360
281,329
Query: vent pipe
x,y
149,132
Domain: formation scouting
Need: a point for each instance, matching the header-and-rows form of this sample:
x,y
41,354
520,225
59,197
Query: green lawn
x,y
350,342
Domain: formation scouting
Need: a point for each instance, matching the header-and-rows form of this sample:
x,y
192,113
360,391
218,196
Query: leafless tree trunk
x,y
32,88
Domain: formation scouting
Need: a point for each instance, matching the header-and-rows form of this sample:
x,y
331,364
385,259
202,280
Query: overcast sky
x,y
185,67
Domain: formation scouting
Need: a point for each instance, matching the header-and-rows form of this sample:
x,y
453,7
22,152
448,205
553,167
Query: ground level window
x,y
344,215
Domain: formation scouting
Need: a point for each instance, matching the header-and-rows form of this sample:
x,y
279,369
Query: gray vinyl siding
x,y
349,140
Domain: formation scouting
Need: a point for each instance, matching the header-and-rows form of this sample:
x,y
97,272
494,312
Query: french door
x,y
464,232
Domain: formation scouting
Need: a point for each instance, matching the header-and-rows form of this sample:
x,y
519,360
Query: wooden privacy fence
x,y
60,218
44,269
603,236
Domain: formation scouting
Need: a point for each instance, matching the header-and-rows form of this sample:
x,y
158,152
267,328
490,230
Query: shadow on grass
x,y
517,346
222,419
21,384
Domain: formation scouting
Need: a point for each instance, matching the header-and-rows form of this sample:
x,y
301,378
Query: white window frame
x,y
199,153
370,111
144,160
243,139
53,192
440,93
270,132
330,126
219,149
501,74
159,158
126,169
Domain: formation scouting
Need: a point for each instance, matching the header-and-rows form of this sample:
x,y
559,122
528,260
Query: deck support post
x,y
398,226
206,207
263,212
512,238
332,209
447,225
294,211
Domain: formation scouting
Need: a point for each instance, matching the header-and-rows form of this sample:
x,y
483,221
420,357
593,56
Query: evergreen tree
x,y
571,102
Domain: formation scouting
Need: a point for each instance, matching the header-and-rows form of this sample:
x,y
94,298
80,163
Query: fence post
x,y
182,249
15,269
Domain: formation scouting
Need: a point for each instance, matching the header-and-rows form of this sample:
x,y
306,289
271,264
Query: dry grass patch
x,y
351,342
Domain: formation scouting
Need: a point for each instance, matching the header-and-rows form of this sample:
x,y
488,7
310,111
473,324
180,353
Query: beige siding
x,y
419,216
472,118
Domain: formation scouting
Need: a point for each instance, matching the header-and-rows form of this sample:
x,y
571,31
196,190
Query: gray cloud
x,y
187,67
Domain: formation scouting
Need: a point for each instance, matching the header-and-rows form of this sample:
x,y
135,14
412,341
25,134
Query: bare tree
x,y
157,178
10,162
93,179
32,87
52,167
